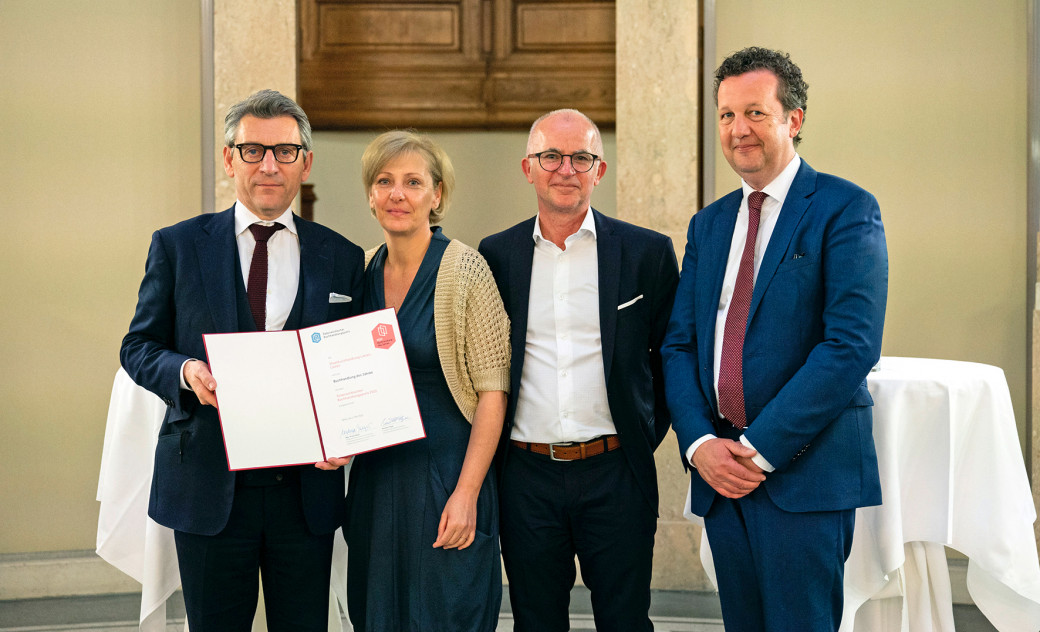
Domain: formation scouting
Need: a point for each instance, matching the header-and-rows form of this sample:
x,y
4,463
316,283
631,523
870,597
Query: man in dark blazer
x,y
199,278
765,374
588,298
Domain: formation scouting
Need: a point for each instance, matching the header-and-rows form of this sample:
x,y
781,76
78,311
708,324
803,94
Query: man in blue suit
x,y
588,299
206,275
766,356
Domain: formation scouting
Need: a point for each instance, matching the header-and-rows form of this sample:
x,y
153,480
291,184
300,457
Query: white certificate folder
x,y
297,397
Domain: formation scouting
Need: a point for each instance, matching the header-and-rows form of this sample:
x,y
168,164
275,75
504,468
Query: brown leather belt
x,y
571,451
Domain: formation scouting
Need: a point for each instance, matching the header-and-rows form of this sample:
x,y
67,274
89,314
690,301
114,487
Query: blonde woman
x,y
423,516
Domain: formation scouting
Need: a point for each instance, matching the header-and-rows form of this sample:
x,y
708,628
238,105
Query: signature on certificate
x,y
394,423
356,433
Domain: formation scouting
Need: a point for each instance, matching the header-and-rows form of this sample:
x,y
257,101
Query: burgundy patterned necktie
x,y
256,289
731,366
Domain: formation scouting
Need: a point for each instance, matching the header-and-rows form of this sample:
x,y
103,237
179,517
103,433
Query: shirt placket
x,y
562,303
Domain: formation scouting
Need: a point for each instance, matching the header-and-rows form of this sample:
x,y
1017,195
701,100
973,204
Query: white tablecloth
x,y
127,538
952,475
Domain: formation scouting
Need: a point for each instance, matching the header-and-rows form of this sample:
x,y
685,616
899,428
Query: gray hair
x,y
597,140
266,104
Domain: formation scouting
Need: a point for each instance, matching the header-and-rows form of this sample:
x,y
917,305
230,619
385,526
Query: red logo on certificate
x,y
383,336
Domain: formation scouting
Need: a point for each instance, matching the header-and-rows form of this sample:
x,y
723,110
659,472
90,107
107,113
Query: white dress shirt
x,y
776,193
283,262
283,265
563,390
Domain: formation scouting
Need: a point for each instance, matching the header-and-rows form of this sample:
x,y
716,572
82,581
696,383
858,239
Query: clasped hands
x,y
727,466
201,382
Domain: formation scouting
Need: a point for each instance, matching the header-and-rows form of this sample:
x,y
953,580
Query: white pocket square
x,y
339,298
629,303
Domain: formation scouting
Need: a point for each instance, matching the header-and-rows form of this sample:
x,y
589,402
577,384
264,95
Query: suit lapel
x,y
798,199
712,253
608,255
217,254
713,260
520,261
316,267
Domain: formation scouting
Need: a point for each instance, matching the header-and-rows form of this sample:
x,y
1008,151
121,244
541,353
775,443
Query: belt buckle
x,y
552,451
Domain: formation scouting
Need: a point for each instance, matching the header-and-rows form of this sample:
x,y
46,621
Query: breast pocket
x,y
796,260
797,275
341,307
632,308
793,296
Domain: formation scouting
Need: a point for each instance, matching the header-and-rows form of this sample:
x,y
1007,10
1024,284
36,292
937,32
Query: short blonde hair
x,y
389,145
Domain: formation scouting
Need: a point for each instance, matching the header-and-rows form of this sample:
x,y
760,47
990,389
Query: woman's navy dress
x,y
396,580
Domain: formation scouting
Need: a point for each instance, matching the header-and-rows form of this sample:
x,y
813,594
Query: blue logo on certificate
x,y
315,337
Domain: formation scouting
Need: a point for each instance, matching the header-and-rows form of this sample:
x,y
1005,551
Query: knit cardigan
x,y
471,326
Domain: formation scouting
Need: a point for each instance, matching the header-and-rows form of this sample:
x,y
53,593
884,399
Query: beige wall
x,y
491,193
101,126
924,105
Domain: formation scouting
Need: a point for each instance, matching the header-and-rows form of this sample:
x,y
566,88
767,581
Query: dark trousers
x,y
552,511
267,533
778,571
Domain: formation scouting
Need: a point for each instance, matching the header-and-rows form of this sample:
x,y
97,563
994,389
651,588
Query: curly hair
x,y
791,89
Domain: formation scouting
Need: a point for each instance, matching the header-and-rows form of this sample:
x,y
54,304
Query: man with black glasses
x,y
588,298
253,267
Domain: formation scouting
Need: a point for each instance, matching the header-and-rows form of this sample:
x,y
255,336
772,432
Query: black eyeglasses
x,y
550,160
285,153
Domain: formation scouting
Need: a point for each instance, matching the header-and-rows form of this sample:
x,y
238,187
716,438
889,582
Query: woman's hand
x,y
458,526
334,463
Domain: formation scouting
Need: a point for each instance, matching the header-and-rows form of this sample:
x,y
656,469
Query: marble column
x,y
657,174
254,47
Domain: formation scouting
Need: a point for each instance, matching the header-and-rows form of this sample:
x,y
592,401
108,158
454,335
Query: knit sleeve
x,y
486,332
471,326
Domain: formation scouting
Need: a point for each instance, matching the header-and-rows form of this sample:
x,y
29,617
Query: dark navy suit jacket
x,y
189,289
813,334
633,262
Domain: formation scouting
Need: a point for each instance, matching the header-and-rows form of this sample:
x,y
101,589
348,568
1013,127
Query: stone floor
x,y
671,611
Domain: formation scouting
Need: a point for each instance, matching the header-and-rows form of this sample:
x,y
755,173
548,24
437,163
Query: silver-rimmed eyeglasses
x,y
550,160
285,153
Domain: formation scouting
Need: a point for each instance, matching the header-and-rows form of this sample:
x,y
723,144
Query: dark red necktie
x,y
256,289
731,366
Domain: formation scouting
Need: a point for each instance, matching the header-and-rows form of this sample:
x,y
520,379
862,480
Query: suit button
x,y
278,477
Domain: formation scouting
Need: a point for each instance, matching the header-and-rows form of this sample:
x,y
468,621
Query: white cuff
x,y
184,385
696,444
758,459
